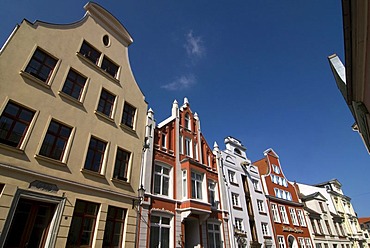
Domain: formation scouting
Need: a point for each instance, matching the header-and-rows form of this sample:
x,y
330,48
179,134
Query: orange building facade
x,y
181,205
287,213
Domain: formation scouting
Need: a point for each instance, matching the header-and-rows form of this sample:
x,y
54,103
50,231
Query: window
x,y
113,230
293,216
187,121
256,185
301,219
188,147
260,206
308,243
232,178
95,155
161,179
55,141
322,207
121,164
74,84
90,53
41,65
239,224
235,199
214,236
196,185
284,216
265,229
313,226
276,169
14,123
163,141
336,228
184,184
328,227
320,227
281,241
302,243
159,231
196,151
342,229
106,103
212,193
82,227
275,213
109,66
128,117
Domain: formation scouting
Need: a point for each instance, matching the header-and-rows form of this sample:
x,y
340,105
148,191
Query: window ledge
x,y
97,68
258,191
262,213
120,181
93,173
34,79
11,148
69,98
104,116
129,130
235,184
238,208
50,160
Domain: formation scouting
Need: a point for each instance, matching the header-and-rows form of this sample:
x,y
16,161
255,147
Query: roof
x,y
364,220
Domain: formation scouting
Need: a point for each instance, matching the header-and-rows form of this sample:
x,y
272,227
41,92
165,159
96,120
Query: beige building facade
x,y
72,122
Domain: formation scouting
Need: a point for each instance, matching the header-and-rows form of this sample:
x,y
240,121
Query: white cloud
x,y
194,45
180,83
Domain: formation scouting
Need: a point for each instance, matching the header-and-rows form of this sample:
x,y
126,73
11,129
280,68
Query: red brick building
x,y
286,211
181,205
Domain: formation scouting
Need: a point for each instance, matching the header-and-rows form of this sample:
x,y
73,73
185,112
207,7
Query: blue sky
x,y
255,70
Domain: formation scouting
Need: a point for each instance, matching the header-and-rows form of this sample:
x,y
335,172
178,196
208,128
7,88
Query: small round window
x,y
106,40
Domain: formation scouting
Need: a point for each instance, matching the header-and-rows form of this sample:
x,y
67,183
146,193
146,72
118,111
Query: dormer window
x,y
90,53
237,151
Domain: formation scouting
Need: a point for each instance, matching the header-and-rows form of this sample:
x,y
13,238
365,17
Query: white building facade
x,y
249,218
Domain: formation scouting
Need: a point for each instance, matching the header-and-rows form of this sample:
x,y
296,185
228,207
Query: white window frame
x,y
265,229
213,232
301,218
214,190
260,206
164,141
184,183
239,224
181,144
161,225
281,241
198,195
188,147
293,216
302,242
275,213
235,199
162,176
232,178
308,243
283,214
256,185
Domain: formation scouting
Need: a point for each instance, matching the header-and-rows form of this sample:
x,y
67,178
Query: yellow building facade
x,y
71,134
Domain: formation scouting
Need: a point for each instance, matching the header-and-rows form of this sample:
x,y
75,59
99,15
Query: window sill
x,y
129,130
93,173
70,98
263,213
11,148
104,116
235,184
97,68
258,191
50,160
120,181
34,79
238,208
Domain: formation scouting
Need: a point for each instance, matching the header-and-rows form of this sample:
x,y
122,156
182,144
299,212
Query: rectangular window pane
x,y
14,123
95,155
121,164
74,84
114,227
106,103
128,116
41,65
89,52
110,67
